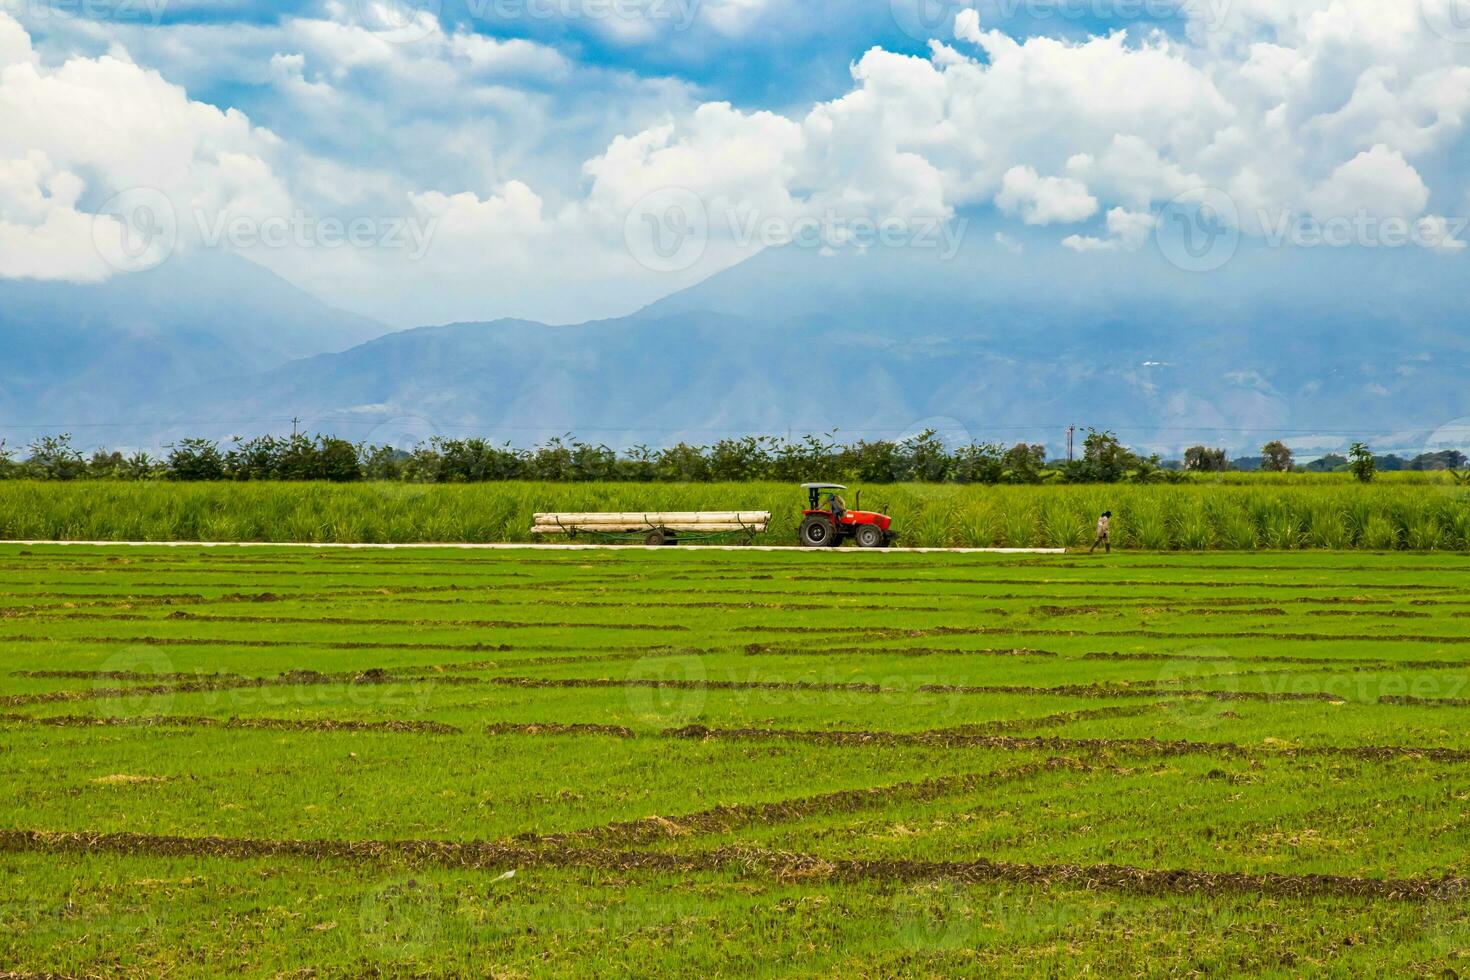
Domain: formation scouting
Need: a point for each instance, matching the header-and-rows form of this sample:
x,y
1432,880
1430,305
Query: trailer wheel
x,y
869,536
655,539
818,532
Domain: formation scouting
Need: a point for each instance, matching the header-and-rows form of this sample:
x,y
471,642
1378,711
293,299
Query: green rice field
x,y
301,762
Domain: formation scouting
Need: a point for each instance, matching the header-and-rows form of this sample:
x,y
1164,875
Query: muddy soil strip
x,y
433,623
1210,567
725,819
1140,690
1063,718
213,641
958,738
64,613
285,574
926,631
296,678
1424,702
688,685
1092,602
558,728
200,721
796,650
131,675
748,862
1379,613
349,621
908,578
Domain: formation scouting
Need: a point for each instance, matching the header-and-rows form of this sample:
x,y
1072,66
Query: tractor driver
x,y
838,505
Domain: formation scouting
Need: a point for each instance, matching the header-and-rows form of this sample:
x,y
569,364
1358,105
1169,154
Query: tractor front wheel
x,y
817,532
869,536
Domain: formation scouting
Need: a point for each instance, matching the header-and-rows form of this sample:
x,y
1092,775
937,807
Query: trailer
x,y
656,528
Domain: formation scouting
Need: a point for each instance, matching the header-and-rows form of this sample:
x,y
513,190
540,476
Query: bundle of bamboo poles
x,y
703,522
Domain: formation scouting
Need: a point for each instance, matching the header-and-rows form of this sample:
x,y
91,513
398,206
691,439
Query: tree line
x,y
922,458
1360,461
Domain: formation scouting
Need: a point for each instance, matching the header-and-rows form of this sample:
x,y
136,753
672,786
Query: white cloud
x,y
1379,183
1044,200
1127,230
15,43
530,161
100,126
967,26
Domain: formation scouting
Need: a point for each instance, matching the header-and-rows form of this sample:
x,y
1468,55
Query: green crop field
x,y
678,763
1232,511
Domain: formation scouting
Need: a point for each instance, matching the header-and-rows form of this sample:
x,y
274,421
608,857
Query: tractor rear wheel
x,y
817,532
869,536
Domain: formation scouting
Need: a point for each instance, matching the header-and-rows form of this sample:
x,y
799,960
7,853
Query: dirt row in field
x,y
909,578
881,633
1426,702
960,738
1138,689
407,673
208,683
724,819
184,683
1367,663
798,650
216,641
747,862
504,728
1446,568
200,721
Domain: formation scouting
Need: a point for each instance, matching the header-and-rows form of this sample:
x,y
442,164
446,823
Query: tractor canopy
x,y
814,492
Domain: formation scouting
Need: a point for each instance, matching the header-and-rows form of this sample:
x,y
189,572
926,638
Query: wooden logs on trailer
x,y
692,522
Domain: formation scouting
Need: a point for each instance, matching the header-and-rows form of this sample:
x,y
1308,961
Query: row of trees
x,y
1277,457
923,458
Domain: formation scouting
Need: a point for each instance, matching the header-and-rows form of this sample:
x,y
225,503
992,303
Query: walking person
x,y
1104,533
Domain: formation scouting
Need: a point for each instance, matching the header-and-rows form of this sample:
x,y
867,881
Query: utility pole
x,y
294,423
1070,429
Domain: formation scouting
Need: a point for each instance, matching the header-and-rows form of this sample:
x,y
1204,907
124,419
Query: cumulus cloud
x,y
1326,107
1044,200
1127,232
101,126
1379,183
967,25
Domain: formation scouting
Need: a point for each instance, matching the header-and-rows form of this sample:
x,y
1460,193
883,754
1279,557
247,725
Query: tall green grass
x,y
1381,516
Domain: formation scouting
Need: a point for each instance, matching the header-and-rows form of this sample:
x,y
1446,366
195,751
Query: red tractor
x,y
826,522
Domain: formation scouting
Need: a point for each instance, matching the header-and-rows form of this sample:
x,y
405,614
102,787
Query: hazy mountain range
x,y
994,344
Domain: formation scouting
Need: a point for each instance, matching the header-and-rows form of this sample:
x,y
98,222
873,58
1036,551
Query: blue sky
x,y
538,158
